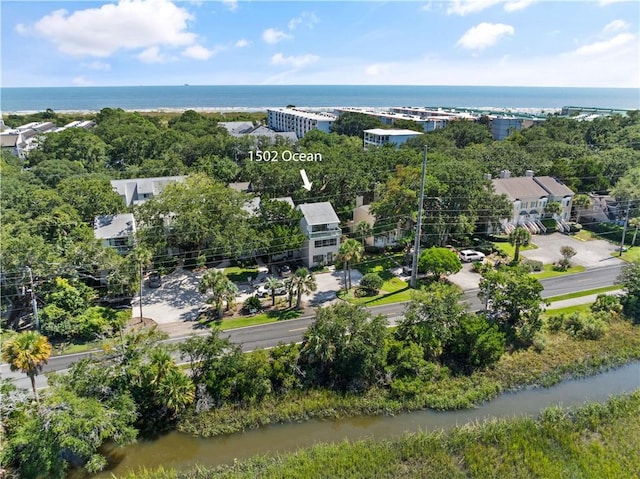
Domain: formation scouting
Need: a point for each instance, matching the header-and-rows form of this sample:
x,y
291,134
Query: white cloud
x,y
515,5
198,52
81,81
21,29
126,25
607,45
377,69
152,55
272,35
294,61
231,4
97,65
604,3
306,19
616,26
484,35
464,7
242,43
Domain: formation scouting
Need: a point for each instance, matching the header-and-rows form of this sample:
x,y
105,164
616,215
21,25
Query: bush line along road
x,y
269,335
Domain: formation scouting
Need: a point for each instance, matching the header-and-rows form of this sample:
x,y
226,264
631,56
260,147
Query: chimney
x,y
487,176
528,173
505,174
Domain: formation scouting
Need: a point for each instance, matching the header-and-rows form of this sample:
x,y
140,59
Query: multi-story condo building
x,y
320,226
379,136
298,121
529,196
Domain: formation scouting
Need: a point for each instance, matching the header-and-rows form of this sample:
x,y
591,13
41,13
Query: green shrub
x,y
371,283
607,303
480,267
251,303
555,323
531,265
539,342
475,343
585,326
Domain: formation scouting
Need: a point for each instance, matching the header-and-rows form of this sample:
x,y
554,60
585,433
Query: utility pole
x,y
34,303
416,243
624,230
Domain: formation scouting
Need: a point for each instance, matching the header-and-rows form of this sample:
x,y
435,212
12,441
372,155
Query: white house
x,y
320,226
298,121
380,136
529,196
135,191
116,231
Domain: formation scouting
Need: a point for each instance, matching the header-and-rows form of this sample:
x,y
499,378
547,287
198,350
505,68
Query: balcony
x,y
330,233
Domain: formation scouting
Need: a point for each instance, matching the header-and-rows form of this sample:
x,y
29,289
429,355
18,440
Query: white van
x,y
469,255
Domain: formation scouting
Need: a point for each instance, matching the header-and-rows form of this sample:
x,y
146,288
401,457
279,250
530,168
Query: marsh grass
x,y
591,442
563,357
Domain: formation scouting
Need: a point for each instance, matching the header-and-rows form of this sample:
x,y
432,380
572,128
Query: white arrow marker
x,y
306,183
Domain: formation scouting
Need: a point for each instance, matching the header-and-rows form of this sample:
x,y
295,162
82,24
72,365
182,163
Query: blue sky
x,y
476,42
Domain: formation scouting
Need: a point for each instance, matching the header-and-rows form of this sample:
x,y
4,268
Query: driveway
x,y
590,254
178,299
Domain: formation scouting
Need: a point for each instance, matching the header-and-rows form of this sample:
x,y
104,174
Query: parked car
x,y
263,291
284,270
469,255
154,279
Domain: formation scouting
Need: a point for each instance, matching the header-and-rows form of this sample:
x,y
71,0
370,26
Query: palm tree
x,y
177,390
553,208
304,282
28,352
272,284
518,237
581,202
142,256
363,231
220,287
350,252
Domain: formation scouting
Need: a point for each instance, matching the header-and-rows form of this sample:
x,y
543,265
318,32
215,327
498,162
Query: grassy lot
x,y
585,235
394,290
262,318
591,442
579,294
631,255
578,308
510,250
240,275
549,272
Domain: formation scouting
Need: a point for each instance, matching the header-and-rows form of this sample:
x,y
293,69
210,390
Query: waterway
x,y
183,452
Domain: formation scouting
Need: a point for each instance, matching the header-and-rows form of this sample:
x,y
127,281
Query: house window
x,y
326,242
317,228
319,258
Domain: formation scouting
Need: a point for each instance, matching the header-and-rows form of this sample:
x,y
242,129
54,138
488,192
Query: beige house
x,y
530,196
380,240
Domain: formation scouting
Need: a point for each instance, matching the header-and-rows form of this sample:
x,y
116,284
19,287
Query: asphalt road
x,y
269,335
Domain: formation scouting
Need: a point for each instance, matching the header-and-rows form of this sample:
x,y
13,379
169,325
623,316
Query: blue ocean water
x,y
313,96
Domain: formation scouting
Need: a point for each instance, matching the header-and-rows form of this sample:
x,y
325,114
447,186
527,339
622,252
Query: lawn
x,y
549,272
380,264
510,250
631,255
241,275
262,318
588,292
585,235
578,308
394,290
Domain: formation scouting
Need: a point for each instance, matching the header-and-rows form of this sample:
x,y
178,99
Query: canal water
x,y
182,452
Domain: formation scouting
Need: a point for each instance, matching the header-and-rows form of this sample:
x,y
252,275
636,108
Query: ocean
x,y
235,98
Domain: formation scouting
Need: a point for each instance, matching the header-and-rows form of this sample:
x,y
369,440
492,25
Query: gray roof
x,y
114,226
519,187
319,213
241,186
136,187
236,128
553,186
